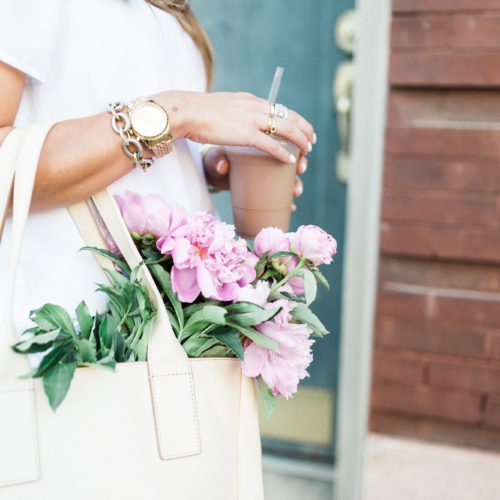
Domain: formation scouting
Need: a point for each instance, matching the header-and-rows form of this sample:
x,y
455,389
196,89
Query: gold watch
x,y
149,122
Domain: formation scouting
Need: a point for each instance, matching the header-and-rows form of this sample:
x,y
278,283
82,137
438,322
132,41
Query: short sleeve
x,y
28,35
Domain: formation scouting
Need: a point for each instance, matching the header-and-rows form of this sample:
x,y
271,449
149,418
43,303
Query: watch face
x,y
149,119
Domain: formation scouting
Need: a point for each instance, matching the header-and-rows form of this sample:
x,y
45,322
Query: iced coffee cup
x,y
261,188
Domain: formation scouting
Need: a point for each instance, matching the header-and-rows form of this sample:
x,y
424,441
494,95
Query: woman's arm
x,y
82,156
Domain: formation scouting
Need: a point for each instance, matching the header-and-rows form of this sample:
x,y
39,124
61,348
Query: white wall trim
x,y
361,247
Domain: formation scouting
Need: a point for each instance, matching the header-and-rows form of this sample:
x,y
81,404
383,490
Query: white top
x,y
79,55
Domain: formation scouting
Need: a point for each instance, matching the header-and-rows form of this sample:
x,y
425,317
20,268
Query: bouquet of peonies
x,y
227,299
222,297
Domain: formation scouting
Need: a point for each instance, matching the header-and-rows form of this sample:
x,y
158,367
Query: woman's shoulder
x,y
28,34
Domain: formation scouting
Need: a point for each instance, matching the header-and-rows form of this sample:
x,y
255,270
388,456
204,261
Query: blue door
x,y
251,38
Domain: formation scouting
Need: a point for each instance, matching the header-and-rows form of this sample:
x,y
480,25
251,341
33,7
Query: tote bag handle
x,y
172,396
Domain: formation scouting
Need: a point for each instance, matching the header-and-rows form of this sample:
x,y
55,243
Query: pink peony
x,y
314,244
272,240
257,295
150,214
207,259
281,370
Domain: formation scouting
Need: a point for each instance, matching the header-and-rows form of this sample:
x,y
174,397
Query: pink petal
x,y
185,284
205,281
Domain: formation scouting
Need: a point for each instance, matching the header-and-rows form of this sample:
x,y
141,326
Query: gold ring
x,y
272,112
271,128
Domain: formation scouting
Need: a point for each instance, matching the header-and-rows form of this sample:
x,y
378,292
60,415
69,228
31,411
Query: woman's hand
x,y
236,119
233,118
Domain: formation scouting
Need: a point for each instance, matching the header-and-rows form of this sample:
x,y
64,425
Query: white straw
x,y
278,75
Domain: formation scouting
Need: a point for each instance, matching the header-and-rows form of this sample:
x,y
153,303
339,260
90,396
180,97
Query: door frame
x,y
361,244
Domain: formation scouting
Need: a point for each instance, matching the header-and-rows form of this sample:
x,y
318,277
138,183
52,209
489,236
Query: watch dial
x,y
149,120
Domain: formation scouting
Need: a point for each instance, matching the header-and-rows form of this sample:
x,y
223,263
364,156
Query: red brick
x,y
420,31
420,105
447,143
435,430
464,376
404,6
492,416
450,405
460,31
403,239
444,242
403,305
442,274
468,244
427,173
440,208
495,347
478,308
475,31
432,337
397,368
472,68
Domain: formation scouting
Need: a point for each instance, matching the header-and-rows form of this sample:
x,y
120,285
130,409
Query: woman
x,y
63,61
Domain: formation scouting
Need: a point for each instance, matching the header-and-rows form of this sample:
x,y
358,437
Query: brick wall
x,y
436,366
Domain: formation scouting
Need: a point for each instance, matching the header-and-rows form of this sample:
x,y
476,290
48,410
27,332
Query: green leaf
x,y
118,280
57,317
37,343
56,382
244,307
320,277
305,315
216,351
280,295
268,399
196,344
277,255
255,317
142,346
206,315
261,264
230,338
85,320
60,351
87,351
110,256
164,279
310,286
254,335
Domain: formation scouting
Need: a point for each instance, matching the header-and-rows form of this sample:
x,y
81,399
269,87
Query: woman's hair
x,y
181,10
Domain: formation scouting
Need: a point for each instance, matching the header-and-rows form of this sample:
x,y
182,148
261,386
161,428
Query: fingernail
x,y
299,189
303,164
309,147
314,138
292,158
219,165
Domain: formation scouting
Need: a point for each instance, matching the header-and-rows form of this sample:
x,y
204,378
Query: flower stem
x,y
290,275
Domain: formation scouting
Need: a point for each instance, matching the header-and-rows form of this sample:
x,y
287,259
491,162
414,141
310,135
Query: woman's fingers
x,y
299,187
302,164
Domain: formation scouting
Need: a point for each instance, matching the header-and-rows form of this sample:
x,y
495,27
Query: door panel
x,y
250,39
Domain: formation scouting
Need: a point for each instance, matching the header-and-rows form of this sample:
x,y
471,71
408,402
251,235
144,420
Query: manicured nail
x,y
303,164
292,158
314,138
309,147
219,165
299,189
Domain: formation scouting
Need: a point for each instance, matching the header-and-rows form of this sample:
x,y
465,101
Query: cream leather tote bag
x,y
169,428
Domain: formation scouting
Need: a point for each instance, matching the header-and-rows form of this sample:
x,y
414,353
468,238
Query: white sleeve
x,y
28,35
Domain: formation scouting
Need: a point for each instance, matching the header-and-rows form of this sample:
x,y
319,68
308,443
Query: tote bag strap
x,y
19,455
170,377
